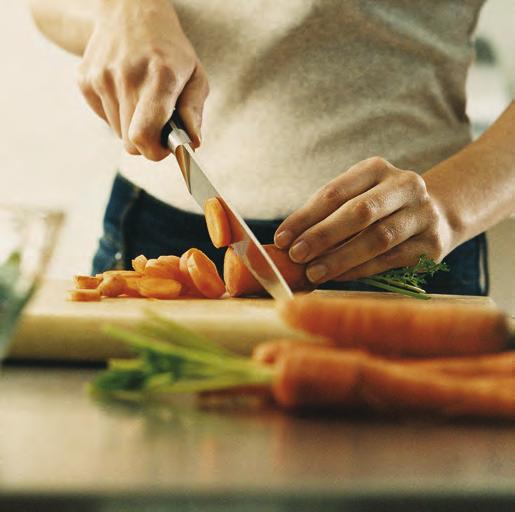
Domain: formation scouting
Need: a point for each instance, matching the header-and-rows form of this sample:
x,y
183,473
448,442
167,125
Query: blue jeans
x,y
138,223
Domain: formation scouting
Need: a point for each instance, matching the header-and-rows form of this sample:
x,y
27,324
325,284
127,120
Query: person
x,y
302,96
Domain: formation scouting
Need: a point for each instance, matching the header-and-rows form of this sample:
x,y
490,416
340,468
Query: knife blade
x,y
244,242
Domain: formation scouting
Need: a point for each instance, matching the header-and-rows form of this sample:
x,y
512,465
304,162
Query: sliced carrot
x,y
166,267
240,281
400,327
85,295
123,273
113,286
159,288
204,275
138,263
83,282
217,223
189,285
132,286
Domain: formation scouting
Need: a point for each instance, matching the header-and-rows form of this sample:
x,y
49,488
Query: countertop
x,y
62,450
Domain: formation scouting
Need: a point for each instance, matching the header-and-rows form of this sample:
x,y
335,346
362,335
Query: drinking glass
x,y
27,238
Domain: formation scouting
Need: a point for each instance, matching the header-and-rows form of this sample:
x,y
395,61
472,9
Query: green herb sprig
x,y
407,280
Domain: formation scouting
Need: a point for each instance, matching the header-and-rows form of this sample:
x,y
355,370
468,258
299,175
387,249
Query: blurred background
x,y
55,152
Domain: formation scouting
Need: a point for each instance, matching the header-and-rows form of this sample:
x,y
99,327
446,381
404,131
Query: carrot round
x,y
217,223
85,295
204,275
189,285
112,286
400,327
159,288
240,281
83,282
165,267
138,263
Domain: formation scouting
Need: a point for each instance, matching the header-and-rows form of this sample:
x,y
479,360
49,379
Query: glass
x,y
27,238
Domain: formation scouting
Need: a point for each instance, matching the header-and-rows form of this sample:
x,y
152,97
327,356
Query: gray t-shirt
x,y
303,89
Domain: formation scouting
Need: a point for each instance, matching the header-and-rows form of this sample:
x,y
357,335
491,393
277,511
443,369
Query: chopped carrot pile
x,y
165,278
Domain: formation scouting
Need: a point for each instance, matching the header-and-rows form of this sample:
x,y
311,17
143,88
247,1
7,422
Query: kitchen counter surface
x,y
61,450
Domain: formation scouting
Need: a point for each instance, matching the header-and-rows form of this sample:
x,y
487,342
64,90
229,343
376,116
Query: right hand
x,y
137,67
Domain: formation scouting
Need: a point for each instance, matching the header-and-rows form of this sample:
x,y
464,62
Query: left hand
x,y
370,219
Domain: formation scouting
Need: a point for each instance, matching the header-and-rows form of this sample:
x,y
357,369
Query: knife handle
x,y
167,130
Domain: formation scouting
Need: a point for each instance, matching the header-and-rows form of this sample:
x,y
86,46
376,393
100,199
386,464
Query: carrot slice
x,y
123,273
85,295
159,288
189,285
166,267
138,263
132,286
204,275
112,286
240,281
217,223
401,327
83,282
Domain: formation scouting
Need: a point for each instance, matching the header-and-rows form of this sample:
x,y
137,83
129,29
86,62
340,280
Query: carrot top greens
x,y
407,280
171,358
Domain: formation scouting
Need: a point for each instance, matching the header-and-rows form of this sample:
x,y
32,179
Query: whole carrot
x,y
400,327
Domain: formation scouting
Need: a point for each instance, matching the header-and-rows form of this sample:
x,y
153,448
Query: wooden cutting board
x,y
55,328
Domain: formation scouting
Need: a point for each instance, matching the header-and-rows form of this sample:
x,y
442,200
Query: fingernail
x,y
282,239
316,272
197,140
299,251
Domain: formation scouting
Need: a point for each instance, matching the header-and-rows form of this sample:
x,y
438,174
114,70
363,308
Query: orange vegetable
x,y
240,281
189,285
400,327
132,286
217,223
269,351
166,267
112,286
138,263
159,288
325,377
83,282
85,295
123,273
204,275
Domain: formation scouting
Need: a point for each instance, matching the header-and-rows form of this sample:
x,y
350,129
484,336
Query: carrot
x,y
204,275
138,263
85,295
269,351
132,286
189,285
400,327
240,281
83,282
328,378
112,286
123,273
497,365
166,267
159,288
217,222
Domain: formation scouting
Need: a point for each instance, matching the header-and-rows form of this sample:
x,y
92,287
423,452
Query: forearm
x,y
475,188
67,23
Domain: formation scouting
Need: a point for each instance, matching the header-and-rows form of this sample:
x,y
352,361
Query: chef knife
x,y
244,242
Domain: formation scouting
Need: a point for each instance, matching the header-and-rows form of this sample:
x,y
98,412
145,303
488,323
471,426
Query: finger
x,y
351,218
191,104
356,180
93,100
154,107
371,242
128,102
105,89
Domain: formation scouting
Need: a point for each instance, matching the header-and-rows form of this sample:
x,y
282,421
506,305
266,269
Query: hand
x,y
372,218
137,66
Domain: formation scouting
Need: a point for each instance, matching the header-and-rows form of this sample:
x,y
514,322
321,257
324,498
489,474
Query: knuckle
x,y
415,183
385,236
436,245
319,238
162,72
378,163
101,80
366,210
329,194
